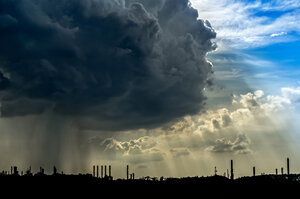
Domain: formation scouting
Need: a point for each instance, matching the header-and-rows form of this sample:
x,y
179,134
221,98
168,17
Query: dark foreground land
x,y
86,186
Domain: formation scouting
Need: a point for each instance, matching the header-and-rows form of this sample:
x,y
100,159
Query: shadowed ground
x,y
87,186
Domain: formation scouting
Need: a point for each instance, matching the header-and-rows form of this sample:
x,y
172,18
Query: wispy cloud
x,y
243,24
278,34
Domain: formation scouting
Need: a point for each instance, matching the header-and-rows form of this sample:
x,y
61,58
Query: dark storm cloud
x,y
112,64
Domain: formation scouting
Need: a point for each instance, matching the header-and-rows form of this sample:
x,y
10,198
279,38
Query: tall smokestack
x,y
105,173
276,171
15,170
54,170
93,170
281,170
231,170
109,170
288,166
97,171
127,172
253,171
101,171
216,171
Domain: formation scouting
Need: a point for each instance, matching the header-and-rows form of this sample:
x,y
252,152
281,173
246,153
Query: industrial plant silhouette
x,y
214,186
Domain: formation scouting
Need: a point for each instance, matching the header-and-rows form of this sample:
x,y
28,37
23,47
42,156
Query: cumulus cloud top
x,y
134,151
221,131
112,64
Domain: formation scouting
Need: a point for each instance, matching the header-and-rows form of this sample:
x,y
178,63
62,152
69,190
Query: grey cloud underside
x,y
239,146
113,64
134,151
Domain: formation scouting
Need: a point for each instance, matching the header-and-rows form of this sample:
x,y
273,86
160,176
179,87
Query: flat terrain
x,y
87,186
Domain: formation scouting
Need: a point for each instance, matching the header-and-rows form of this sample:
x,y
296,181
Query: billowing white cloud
x,y
291,94
225,130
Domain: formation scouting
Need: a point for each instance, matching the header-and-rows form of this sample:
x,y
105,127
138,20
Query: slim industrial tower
x,y
127,169
15,170
54,170
231,170
288,166
93,170
253,171
97,171
216,171
109,170
101,171
105,173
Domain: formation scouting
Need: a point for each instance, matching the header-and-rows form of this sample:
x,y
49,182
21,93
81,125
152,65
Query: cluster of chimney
x,y
282,169
287,167
103,174
14,170
254,170
130,176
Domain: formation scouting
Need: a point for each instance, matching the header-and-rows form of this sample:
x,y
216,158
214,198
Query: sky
x,y
170,87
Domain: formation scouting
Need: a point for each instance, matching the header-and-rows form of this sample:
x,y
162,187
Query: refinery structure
x,y
100,172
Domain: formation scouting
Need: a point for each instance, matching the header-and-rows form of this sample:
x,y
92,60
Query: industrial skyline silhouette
x,y
215,186
103,175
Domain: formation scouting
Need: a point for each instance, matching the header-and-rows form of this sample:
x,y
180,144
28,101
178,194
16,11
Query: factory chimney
x,y
231,170
15,170
276,171
288,166
42,170
105,173
253,171
101,171
281,170
216,171
127,169
97,171
109,170
93,170
54,170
